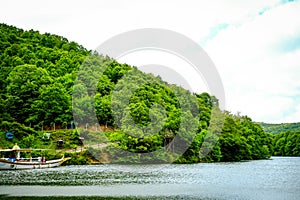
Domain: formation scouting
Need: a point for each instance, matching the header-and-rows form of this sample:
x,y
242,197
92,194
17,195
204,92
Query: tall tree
x,y
52,106
23,87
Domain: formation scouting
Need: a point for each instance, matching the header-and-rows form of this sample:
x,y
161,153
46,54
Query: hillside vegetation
x,y
45,78
280,128
287,144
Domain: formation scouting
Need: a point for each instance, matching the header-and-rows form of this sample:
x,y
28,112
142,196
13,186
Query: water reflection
x,y
264,179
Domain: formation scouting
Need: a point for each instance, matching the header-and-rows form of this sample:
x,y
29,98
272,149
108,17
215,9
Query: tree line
x,y
280,128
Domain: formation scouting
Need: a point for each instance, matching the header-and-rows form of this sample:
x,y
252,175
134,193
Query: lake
x,y
276,178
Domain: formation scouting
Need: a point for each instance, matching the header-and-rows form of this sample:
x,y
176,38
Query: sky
x,y
255,45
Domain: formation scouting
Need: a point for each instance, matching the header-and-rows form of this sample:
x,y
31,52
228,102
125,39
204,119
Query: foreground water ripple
x,y
277,178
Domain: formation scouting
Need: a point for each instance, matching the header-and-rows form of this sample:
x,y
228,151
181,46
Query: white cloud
x,y
295,116
93,21
260,80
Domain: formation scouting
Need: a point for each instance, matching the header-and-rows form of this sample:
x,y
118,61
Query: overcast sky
x,y
255,45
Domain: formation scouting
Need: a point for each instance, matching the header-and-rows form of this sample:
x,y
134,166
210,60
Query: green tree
x,y
52,106
103,109
23,89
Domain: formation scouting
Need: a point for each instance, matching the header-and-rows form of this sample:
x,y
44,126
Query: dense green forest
x,y
280,128
287,144
45,79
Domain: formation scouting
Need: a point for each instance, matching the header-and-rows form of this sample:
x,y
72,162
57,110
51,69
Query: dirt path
x,y
81,148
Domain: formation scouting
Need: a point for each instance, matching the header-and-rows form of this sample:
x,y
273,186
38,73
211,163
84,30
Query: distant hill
x,y
280,128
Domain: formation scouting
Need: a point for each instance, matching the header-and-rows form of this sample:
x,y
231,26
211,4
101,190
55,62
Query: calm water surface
x,y
277,178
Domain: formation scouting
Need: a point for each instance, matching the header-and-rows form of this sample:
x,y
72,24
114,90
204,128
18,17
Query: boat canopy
x,y
16,147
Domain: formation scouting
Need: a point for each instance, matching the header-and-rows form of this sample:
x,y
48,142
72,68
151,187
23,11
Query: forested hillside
x,y
280,128
39,81
37,72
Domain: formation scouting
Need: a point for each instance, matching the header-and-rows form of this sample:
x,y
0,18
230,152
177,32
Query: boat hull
x,y
6,164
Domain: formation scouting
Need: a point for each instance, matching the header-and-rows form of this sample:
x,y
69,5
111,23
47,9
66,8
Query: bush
x,y
17,129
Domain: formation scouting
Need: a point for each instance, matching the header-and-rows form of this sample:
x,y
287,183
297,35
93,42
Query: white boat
x,y
16,162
